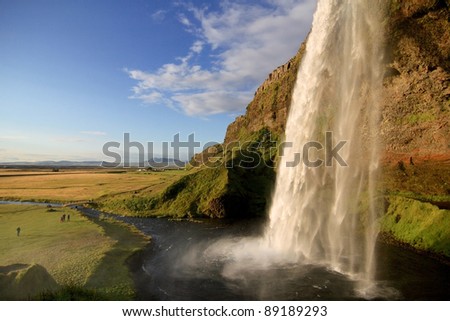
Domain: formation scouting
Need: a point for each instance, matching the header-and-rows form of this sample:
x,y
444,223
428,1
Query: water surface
x,y
174,267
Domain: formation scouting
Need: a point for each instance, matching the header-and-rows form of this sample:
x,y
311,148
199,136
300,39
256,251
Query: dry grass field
x,y
75,185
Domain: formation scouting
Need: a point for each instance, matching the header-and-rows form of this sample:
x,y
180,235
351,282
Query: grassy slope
x,y
234,187
75,253
139,202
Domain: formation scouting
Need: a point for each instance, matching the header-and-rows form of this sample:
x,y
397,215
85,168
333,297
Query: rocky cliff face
x,y
416,108
415,105
269,108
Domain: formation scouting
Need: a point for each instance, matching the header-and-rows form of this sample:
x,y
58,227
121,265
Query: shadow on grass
x,y
112,276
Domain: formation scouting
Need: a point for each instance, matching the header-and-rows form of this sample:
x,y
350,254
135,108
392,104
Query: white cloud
x,y
197,47
246,41
159,15
212,102
184,20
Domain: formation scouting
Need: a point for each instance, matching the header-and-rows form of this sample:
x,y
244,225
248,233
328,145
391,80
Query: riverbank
x,y
82,255
389,239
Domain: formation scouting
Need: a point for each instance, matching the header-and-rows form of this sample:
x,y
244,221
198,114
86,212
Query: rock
x,y
24,282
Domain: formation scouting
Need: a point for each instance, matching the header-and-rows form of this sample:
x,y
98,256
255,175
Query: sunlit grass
x,y
70,251
74,186
79,253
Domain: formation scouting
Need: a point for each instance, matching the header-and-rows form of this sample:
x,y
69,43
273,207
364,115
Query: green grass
x,y
420,224
70,251
193,194
418,118
72,293
187,196
411,217
112,277
78,253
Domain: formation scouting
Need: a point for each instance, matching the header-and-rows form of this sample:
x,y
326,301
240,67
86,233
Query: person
x,y
68,217
18,231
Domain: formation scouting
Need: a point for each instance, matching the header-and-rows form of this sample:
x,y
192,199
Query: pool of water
x,y
175,267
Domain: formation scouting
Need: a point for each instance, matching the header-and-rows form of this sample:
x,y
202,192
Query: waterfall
x,y
323,210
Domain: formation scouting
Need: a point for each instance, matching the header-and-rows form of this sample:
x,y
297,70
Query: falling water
x,y
326,214
323,212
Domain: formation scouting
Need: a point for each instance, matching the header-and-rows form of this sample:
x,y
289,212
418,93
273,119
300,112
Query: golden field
x,y
80,185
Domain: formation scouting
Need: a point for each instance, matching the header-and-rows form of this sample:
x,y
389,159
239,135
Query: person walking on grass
x,y
18,231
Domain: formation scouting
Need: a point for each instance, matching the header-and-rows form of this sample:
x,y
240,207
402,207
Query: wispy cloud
x,y
12,137
184,20
159,15
245,43
70,139
18,156
93,132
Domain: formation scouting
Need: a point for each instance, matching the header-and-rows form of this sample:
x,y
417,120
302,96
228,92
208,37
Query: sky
x,y
75,75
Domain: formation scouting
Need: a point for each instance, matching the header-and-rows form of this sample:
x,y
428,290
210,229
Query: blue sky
x,y
77,74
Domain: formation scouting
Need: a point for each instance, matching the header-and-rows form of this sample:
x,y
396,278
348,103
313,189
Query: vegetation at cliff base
x,y
420,224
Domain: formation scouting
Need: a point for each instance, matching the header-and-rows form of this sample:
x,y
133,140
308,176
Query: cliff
x,y
415,104
414,134
416,108
415,128
270,106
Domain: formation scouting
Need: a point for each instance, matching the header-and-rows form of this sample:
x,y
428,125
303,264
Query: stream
x,y
174,267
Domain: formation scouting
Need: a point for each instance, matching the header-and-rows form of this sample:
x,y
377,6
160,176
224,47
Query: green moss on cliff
x,y
22,281
419,224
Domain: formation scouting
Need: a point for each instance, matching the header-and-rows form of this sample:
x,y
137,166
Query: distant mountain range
x,y
159,162
53,163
